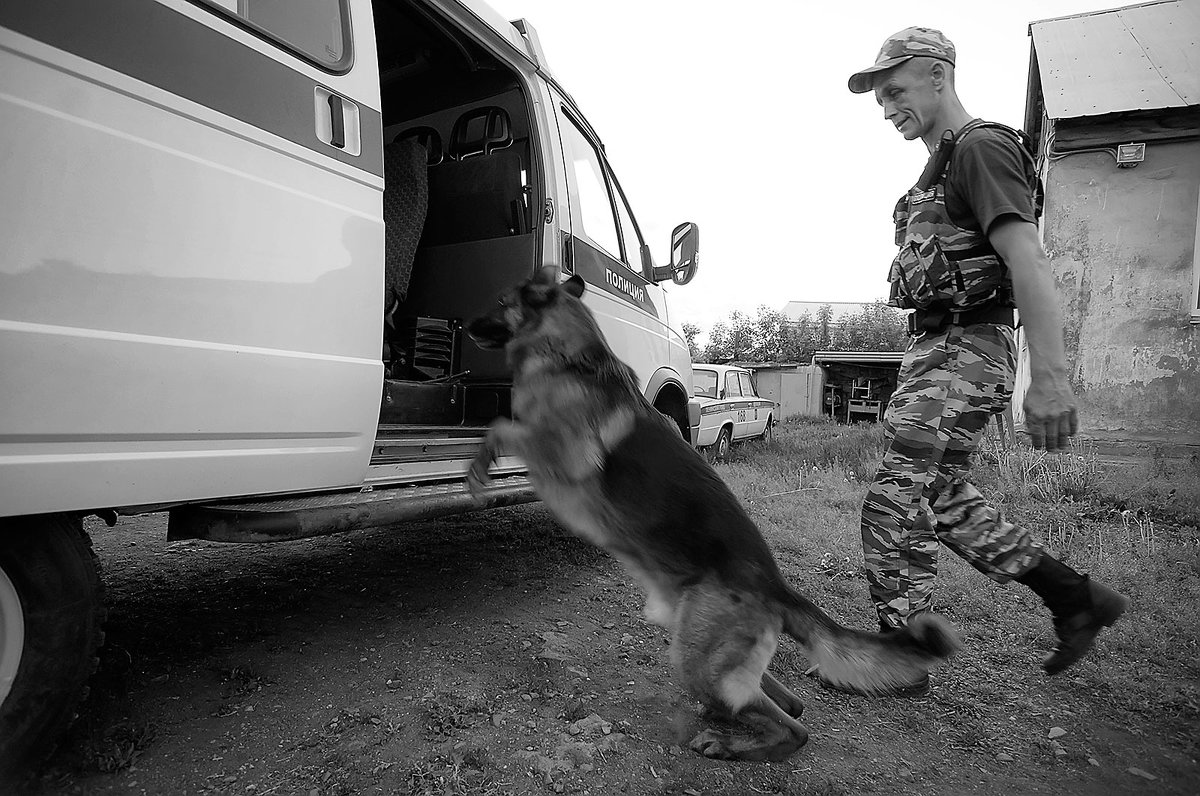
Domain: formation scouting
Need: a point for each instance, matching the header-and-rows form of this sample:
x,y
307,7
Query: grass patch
x,y
1134,526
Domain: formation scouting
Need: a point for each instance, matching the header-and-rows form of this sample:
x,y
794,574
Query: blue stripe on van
x,y
603,272
160,46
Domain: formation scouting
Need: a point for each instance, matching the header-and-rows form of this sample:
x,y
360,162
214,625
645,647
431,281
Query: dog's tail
x,y
868,663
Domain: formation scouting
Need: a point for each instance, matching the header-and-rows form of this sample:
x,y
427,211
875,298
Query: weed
x,y
447,713
348,719
119,747
460,774
240,681
839,568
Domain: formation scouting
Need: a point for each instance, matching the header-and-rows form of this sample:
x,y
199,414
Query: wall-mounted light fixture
x,y
1129,155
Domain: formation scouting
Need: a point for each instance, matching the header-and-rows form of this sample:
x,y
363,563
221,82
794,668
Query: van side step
x,y
304,517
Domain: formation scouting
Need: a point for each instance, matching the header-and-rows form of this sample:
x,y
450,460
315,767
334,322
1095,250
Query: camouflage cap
x,y
899,47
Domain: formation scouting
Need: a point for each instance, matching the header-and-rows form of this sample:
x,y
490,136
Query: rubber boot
x,y
1081,609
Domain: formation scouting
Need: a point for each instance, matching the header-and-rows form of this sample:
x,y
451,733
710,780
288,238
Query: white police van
x,y
239,240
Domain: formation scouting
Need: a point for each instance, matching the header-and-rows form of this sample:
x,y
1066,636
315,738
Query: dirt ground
x,y
490,654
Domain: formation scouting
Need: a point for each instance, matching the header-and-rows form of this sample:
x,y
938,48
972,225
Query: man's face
x,y
908,98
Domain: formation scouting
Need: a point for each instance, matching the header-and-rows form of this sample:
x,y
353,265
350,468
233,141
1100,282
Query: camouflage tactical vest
x,y
941,266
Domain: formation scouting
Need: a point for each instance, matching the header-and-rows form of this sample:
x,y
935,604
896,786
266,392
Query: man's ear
x,y
937,73
575,285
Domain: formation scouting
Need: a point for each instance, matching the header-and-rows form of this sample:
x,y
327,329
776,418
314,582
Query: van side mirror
x,y
685,255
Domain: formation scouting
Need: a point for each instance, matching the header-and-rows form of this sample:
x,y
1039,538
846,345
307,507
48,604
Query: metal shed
x,y
1141,57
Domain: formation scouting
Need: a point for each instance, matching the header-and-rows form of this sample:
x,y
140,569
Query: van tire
x,y
676,411
51,612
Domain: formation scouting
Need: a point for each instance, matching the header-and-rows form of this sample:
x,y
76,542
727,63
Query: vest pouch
x,y
945,281
910,286
979,280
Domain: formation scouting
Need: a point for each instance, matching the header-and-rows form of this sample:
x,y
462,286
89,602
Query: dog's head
x,y
523,310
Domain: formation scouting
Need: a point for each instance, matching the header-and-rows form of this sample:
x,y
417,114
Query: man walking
x,y
969,253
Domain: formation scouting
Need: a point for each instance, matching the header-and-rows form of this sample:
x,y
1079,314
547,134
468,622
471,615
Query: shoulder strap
x,y
1026,145
1022,137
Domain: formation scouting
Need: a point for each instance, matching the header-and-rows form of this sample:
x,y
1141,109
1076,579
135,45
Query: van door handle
x,y
337,119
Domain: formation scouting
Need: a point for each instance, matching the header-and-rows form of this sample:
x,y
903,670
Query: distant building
x,y
1113,103
847,386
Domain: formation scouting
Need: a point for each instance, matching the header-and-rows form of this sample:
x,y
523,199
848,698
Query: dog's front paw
x,y
478,479
711,743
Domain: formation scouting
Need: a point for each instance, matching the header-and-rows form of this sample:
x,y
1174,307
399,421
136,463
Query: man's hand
x,y
1050,415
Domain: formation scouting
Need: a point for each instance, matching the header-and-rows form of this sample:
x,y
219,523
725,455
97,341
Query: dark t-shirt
x,y
990,176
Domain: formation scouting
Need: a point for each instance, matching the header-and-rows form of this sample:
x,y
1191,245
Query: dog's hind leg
x,y
776,736
721,648
783,696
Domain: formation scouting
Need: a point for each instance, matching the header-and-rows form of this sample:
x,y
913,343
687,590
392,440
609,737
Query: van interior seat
x,y
480,131
478,193
405,205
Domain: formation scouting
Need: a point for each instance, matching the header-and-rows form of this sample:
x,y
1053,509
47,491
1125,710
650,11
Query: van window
x,y
631,241
591,208
732,388
315,29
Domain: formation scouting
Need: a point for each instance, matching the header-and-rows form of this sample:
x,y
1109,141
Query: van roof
x,y
496,21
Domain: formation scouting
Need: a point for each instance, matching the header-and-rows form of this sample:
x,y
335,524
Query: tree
x,y
732,340
876,327
824,330
773,337
690,332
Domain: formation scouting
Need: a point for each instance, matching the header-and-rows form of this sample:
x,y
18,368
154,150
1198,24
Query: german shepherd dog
x,y
616,472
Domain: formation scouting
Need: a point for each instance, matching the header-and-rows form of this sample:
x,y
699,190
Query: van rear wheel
x,y
50,629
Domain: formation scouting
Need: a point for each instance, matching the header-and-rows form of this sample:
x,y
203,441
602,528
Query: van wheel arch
x,y
672,402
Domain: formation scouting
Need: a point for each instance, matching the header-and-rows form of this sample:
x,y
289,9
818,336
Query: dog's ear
x,y
575,285
535,293
538,291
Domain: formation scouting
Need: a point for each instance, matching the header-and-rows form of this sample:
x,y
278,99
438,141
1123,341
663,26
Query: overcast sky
x,y
737,116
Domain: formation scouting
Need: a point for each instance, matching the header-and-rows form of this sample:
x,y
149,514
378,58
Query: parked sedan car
x,y
730,409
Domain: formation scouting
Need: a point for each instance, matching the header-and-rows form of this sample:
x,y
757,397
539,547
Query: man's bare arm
x,y
1050,412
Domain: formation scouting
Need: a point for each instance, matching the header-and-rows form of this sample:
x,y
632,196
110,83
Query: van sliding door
x,y
191,249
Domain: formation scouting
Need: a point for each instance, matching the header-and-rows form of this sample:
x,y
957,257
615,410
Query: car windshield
x,y
704,383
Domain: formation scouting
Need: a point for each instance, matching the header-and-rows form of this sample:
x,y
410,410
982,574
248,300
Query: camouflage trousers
x,y
951,384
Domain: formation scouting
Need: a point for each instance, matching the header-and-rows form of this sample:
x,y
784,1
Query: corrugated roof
x,y
1140,57
858,357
